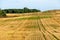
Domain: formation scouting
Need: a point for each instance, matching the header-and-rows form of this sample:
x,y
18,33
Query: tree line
x,y
24,10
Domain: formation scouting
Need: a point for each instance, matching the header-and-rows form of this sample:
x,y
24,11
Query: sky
x,y
33,4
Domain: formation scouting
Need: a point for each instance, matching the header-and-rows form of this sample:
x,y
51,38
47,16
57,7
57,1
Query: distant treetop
x,y
24,10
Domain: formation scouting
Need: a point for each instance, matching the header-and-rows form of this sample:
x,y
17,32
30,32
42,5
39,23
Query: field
x,y
30,26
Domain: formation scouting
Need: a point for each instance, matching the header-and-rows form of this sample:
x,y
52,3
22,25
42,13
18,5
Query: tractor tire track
x,y
49,29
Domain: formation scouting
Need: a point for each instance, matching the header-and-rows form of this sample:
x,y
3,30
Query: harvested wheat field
x,y
32,26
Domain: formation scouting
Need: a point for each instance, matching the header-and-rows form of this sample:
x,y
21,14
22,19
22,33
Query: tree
x,y
24,10
2,13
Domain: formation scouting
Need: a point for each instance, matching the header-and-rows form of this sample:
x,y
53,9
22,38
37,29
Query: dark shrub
x,y
2,13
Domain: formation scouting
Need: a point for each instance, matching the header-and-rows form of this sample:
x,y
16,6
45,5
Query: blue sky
x,y
37,4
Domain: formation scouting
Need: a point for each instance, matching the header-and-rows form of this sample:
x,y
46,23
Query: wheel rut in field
x,y
49,29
